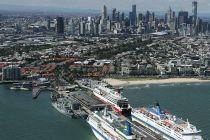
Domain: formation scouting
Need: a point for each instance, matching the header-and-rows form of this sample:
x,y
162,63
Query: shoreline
x,y
129,82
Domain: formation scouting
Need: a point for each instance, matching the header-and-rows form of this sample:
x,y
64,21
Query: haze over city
x,y
154,5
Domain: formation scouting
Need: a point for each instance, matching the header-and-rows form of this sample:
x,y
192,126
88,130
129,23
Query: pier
x,y
37,90
141,131
90,103
9,82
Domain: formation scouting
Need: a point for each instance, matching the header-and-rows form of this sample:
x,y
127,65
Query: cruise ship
x,y
114,98
108,126
165,124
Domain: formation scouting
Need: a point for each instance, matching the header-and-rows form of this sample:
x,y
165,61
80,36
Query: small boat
x,y
15,87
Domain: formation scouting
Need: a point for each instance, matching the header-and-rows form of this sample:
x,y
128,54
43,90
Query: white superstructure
x,y
165,124
114,98
105,127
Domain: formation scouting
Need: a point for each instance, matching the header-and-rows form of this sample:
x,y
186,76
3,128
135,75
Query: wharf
x,y
37,90
89,103
141,131
86,84
8,82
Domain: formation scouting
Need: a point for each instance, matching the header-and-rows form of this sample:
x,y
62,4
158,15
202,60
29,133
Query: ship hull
x,y
98,135
168,135
62,111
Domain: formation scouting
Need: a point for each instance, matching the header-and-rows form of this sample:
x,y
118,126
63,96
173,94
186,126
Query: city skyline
x,y
158,5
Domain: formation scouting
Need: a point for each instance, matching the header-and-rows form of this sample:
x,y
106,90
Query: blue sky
x,y
142,5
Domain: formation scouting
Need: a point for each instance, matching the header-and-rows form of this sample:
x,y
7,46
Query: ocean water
x,y
22,118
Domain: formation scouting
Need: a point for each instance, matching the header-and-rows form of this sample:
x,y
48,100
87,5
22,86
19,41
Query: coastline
x,y
127,82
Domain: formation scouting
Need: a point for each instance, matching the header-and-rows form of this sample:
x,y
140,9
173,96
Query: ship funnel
x,y
127,129
118,91
158,108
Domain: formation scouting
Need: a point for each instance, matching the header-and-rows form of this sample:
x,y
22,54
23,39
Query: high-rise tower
x,y
133,15
71,27
195,12
104,12
60,25
182,18
114,14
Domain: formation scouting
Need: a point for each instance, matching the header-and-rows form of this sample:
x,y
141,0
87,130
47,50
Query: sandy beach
x,y
124,82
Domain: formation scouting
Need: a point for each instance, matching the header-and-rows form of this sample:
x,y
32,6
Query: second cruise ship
x,y
165,124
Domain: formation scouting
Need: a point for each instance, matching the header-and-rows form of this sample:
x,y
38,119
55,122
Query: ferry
x,y
112,97
19,88
22,86
165,124
108,126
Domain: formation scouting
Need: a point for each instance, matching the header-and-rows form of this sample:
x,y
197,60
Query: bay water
x,y
22,118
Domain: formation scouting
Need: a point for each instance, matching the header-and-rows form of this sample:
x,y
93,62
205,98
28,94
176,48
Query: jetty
x,y
88,103
37,90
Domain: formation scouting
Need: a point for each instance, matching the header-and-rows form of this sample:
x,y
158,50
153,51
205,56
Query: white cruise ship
x,y
106,126
114,98
165,124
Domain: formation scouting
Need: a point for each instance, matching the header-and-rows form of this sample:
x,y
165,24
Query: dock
x,y
37,90
141,131
90,103
9,82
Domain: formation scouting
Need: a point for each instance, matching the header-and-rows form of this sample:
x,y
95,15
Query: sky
x,y
142,5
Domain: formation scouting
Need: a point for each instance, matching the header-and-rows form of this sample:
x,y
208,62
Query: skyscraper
x,y
114,14
104,12
147,16
48,23
122,17
71,27
118,16
153,16
140,17
82,28
171,20
133,15
60,25
169,15
195,12
182,17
